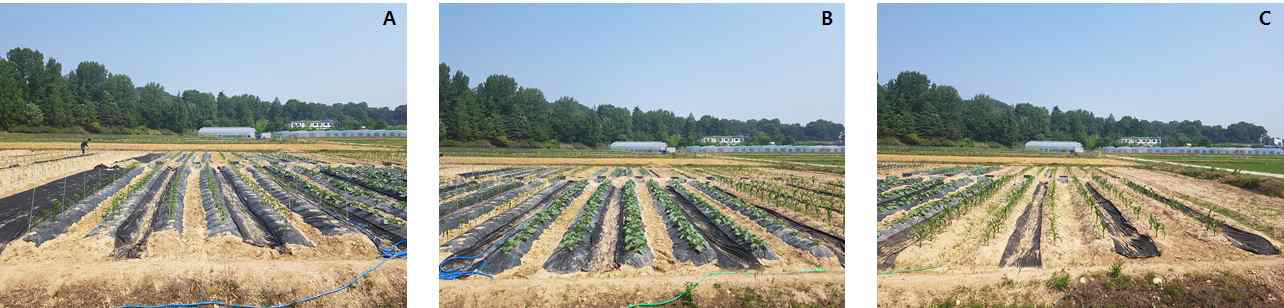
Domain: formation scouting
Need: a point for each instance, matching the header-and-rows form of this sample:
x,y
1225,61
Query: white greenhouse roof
x,y
1055,144
226,130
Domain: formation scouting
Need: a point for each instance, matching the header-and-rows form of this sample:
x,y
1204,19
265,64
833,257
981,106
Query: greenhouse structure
x,y
1054,146
227,132
1195,150
339,133
640,146
768,149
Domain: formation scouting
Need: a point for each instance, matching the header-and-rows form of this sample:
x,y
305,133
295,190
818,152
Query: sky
x,y
729,61
332,53
1213,63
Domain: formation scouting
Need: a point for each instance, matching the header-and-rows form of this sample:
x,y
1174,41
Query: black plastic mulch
x,y
278,228
55,227
579,258
311,213
20,211
1128,242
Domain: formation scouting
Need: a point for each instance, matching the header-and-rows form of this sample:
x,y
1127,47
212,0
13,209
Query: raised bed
x,y
1023,246
121,206
734,250
1239,238
508,254
280,230
311,213
728,227
574,253
358,194
359,216
52,228
218,220
383,180
631,246
252,231
774,225
1128,242
471,242
169,213
477,197
132,234
689,244
458,218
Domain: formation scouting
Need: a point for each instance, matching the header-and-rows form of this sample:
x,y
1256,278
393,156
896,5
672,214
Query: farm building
x,y
640,146
227,132
1141,141
311,124
723,140
339,133
1195,150
1054,146
768,149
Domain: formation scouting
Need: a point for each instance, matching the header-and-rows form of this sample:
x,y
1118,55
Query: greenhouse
x,y
1195,150
227,132
339,133
768,149
1054,146
640,146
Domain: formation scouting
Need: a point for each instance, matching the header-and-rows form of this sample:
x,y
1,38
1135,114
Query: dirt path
x,y
604,253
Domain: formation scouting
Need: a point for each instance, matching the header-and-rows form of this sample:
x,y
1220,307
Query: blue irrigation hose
x,y
462,271
385,254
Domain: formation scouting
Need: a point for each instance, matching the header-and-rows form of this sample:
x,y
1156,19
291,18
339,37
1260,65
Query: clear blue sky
x,y
321,53
1213,63
729,61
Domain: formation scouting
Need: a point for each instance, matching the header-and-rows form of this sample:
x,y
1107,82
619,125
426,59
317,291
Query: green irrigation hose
x,y
692,285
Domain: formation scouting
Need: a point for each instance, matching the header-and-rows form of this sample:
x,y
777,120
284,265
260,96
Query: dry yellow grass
x,y
1012,160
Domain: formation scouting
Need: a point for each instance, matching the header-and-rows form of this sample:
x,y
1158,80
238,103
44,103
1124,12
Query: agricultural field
x,y
587,235
112,228
804,158
1073,235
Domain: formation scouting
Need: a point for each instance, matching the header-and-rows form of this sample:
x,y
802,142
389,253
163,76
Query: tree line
x,y
36,97
913,110
501,113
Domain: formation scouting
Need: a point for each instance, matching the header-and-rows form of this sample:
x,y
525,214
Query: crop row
x,y
890,182
999,214
585,221
383,180
921,196
479,196
722,221
928,220
674,213
632,227
809,203
324,196
912,188
541,219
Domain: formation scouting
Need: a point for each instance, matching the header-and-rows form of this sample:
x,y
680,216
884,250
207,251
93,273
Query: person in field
x,y
84,145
